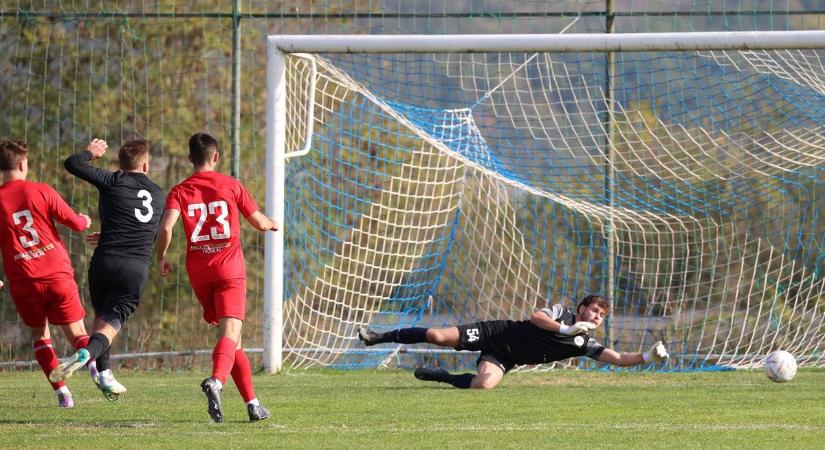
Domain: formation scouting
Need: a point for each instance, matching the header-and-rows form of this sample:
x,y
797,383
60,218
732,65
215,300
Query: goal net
x,y
443,188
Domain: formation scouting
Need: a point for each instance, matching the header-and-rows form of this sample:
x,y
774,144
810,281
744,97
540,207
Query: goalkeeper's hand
x,y
657,353
576,328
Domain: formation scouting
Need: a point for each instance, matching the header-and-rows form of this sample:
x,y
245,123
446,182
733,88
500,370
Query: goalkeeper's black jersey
x,y
131,206
529,344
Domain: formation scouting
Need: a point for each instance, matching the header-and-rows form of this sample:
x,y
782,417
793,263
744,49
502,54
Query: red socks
x,y
242,376
227,359
223,358
45,356
80,342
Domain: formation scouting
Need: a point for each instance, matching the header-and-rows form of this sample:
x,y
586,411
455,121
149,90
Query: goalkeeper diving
x,y
551,334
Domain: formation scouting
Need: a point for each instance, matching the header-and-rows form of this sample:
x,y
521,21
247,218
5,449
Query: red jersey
x,y
31,246
210,203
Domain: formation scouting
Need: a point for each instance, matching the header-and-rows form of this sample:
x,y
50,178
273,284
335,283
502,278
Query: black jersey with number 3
x,y
131,206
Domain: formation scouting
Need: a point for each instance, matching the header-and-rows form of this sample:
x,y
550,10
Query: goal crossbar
x,y
593,42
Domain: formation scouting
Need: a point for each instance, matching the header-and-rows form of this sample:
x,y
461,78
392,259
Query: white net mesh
x,y
703,169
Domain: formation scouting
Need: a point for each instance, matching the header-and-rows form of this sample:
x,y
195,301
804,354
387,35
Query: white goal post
x,y
280,46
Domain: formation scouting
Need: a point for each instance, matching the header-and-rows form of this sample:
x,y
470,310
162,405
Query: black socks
x,y
97,346
405,336
103,361
461,381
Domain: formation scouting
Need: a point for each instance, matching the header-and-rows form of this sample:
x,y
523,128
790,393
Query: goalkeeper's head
x,y
593,309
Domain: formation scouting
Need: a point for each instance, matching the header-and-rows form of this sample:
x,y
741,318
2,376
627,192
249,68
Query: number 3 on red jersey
x,y
202,210
34,238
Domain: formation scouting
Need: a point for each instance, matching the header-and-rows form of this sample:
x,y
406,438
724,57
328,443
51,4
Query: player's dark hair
x,y
590,299
11,153
131,154
201,148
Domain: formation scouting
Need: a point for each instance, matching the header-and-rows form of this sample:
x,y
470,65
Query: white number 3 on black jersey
x,y
147,203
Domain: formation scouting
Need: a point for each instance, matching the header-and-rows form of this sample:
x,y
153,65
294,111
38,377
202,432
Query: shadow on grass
x,y
400,387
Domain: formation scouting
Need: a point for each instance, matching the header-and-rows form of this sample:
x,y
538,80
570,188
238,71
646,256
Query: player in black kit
x,y
551,334
131,206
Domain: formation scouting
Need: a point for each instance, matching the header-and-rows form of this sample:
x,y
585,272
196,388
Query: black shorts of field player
x,y
115,286
490,338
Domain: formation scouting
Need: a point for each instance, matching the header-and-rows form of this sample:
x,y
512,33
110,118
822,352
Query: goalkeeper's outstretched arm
x,y
656,354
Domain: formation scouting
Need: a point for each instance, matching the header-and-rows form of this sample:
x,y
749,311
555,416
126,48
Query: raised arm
x,y
262,222
167,224
78,164
656,354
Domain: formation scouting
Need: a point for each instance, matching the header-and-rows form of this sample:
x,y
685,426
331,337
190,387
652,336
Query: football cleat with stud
x,y
68,367
64,399
257,412
367,336
109,386
209,387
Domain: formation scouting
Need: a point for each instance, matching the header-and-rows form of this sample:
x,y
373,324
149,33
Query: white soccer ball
x,y
780,366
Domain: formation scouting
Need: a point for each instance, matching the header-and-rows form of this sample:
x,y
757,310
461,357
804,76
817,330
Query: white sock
x,y
62,390
254,402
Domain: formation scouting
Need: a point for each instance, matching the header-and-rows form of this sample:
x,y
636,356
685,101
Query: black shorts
x,y
115,286
489,338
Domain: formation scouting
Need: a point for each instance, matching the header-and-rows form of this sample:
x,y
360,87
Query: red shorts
x,y
222,298
57,302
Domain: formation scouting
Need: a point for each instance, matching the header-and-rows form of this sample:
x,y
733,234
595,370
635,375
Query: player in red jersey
x,y
211,204
36,264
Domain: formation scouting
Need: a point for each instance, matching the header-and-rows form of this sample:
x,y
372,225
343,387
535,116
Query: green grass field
x,y
390,409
